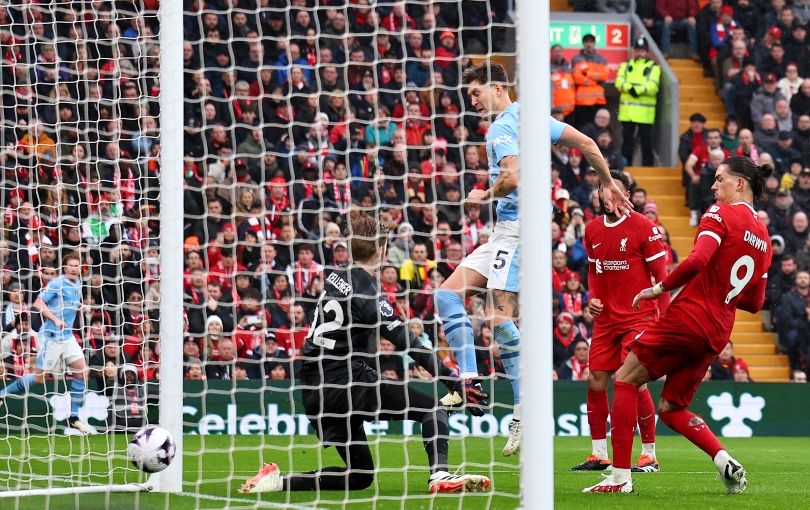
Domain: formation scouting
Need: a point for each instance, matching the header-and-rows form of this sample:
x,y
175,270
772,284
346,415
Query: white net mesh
x,y
78,150
294,115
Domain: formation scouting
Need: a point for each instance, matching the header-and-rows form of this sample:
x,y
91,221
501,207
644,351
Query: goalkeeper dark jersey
x,y
350,317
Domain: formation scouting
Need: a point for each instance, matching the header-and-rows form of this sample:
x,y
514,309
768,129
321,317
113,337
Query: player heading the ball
x,y
496,264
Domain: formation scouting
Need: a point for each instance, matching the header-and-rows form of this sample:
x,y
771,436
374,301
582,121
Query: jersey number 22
x,y
317,331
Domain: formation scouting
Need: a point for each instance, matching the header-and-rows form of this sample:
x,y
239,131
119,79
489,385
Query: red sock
x,y
598,409
693,428
646,416
623,423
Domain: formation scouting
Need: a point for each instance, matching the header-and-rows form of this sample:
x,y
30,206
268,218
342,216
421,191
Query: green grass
x,y
215,466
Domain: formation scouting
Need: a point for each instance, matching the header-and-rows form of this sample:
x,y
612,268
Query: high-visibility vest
x,y
588,71
642,76
563,92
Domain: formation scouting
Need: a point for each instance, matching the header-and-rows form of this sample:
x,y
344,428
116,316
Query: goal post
x,y
537,456
171,235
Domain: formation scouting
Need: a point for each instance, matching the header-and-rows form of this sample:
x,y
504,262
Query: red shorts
x,y
667,349
610,345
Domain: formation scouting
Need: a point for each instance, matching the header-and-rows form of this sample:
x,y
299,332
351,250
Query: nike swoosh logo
x,y
734,468
646,417
594,246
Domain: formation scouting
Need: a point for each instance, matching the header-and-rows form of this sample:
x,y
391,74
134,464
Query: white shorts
x,y
499,259
54,355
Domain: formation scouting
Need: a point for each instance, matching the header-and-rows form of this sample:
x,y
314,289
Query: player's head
x,y
621,180
368,238
72,265
739,178
486,85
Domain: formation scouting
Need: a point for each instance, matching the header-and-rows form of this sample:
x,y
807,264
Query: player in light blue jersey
x,y
59,303
496,264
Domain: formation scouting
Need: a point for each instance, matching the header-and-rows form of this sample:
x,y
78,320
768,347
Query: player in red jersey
x,y
624,253
726,270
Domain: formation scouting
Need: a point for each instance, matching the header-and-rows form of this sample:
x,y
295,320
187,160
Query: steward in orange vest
x,y
590,71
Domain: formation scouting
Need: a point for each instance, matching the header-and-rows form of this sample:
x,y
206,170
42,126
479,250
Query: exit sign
x,y
612,41
608,35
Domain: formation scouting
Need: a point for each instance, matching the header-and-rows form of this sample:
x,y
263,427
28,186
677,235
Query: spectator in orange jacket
x,y
590,72
563,94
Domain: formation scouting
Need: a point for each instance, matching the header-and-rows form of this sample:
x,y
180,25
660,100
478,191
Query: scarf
x,y
572,302
577,369
302,275
565,340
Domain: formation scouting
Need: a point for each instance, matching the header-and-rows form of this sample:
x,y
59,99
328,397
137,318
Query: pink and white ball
x,y
152,449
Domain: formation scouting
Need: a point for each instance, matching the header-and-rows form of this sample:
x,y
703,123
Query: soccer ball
x,y
152,449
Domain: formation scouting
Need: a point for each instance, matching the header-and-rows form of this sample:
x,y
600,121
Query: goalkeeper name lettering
x,y
339,283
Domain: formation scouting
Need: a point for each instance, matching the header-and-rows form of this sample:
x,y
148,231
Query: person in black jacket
x,y
791,320
687,144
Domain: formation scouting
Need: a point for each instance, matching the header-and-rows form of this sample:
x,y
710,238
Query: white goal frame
x,y
171,239
537,442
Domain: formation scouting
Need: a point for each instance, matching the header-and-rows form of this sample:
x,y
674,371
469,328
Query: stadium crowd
x,y
292,116
759,56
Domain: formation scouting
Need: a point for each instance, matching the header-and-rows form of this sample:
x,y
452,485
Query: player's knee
x,y
598,380
360,481
446,300
39,378
665,407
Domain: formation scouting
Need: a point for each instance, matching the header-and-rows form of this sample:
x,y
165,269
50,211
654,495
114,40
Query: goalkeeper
x,y
341,390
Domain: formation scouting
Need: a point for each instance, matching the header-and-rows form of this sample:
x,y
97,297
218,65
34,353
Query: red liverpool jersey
x,y
621,257
734,277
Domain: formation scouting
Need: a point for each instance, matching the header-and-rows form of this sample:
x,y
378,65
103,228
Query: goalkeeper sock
x,y
693,428
623,423
508,337
458,330
435,432
76,395
646,418
20,385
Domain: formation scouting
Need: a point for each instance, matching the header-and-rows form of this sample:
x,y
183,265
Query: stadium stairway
x,y
697,94
751,342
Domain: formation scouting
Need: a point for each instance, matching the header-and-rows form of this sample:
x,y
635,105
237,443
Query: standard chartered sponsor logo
x,y
615,265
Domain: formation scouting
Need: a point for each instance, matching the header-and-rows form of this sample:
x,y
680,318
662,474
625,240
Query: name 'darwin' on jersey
x,y
339,283
755,241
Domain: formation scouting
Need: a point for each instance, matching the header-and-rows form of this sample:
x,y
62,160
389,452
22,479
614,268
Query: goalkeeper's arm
x,y
425,357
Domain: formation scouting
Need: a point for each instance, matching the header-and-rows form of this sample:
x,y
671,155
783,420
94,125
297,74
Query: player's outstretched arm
x,y
426,358
571,137
704,249
658,270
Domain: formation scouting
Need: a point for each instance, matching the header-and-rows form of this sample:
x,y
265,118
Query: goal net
x,y
293,114
79,154
296,113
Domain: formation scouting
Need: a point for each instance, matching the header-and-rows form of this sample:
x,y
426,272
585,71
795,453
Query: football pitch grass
x,y
215,466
